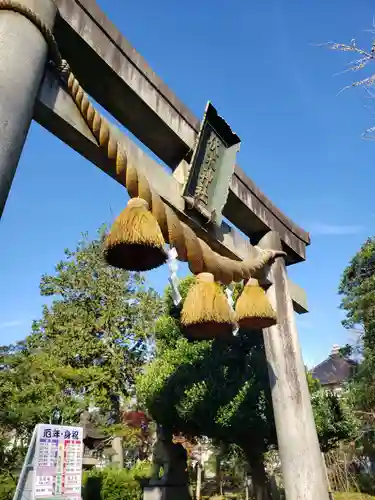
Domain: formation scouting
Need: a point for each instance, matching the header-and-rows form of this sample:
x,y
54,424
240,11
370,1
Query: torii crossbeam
x,y
141,102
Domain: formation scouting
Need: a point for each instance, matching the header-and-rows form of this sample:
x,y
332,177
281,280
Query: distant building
x,y
334,371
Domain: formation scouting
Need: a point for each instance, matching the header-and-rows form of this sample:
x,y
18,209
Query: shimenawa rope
x,y
190,248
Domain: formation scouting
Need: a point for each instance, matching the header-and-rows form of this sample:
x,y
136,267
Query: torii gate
x,y
142,102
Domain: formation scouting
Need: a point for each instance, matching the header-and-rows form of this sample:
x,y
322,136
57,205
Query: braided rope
x,y
15,6
190,248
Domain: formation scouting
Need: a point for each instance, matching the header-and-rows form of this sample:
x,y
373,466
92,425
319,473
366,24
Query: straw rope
x,y
190,248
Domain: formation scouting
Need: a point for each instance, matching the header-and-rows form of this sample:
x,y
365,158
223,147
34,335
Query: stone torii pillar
x,y
303,470
23,56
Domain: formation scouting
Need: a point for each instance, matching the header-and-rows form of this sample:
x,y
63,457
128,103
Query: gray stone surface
x,y
166,493
151,111
23,53
302,466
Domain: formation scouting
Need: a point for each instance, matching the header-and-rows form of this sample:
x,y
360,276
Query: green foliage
x,y
10,462
168,333
346,351
115,484
212,388
89,345
221,389
8,484
313,384
334,420
366,482
357,288
334,417
101,317
234,465
142,469
32,383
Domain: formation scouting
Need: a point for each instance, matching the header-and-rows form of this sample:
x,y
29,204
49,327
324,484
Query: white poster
x,y
58,462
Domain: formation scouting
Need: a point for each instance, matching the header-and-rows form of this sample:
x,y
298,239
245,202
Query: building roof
x,y
333,370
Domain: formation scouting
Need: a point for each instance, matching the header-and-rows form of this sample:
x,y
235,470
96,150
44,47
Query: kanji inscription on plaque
x,y
212,166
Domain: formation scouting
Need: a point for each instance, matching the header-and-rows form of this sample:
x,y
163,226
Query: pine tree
x,y
86,350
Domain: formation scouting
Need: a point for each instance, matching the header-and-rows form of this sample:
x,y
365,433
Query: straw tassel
x,y
253,309
206,313
135,241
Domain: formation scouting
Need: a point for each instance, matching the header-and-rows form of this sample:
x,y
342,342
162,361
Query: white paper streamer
x,y
173,279
229,294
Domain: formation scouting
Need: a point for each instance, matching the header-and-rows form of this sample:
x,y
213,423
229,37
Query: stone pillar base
x,y
166,493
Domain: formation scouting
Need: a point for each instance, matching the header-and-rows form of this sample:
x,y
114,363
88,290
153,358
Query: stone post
x,y
118,457
199,480
302,466
23,55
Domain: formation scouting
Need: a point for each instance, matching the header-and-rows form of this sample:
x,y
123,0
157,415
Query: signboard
x,y
212,166
52,469
58,462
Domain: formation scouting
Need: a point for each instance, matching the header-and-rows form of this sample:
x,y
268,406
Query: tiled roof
x,y
333,370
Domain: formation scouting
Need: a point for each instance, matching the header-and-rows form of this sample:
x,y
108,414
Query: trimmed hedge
x,y
114,484
98,484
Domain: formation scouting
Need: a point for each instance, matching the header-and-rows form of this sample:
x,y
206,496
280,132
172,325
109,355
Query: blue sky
x,y
301,144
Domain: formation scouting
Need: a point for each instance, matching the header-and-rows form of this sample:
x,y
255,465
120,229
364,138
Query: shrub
x,y
7,487
366,483
114,484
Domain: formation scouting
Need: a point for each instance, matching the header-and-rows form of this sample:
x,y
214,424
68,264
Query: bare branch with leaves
x,y
365,56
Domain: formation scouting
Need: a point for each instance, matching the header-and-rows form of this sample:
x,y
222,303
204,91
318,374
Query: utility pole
x,y
302,466
23,56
